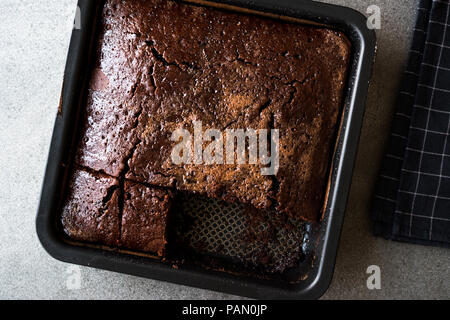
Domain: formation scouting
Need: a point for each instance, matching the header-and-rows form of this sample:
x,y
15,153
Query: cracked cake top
x,y
160,65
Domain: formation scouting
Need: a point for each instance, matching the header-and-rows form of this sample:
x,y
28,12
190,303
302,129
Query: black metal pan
x,y
324,241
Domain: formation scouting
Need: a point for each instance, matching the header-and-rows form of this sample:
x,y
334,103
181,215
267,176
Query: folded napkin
x,y
412,199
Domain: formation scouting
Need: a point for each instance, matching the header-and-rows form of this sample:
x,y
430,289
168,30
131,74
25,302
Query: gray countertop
x,y
34,37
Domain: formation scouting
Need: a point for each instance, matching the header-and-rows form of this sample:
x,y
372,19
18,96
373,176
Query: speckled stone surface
x,y
34,36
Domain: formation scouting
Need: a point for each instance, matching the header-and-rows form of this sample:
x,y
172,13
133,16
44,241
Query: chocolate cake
x,y
98,210
202,97
161,65
144,219
91,209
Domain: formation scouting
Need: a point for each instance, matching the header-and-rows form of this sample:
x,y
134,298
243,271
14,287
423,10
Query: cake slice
x,y
91,208
144,218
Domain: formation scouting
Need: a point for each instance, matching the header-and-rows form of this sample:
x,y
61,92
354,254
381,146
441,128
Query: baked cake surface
x,y
162,65
144,219
91,209
92,212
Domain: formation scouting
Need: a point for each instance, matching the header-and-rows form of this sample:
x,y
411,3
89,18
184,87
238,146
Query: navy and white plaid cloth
x,y
412,200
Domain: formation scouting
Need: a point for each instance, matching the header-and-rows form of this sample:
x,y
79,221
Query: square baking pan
x,y
313,276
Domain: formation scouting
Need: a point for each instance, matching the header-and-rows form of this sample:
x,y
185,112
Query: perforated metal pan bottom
x,y
214,233
213,245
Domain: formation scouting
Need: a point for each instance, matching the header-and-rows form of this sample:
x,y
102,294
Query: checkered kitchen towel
x,y
412,200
